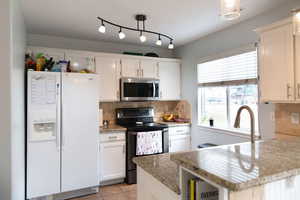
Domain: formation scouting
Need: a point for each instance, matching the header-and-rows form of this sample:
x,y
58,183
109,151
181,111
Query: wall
x,y
18,43
283,119
88,45
180,108
12,48
228,39
5,142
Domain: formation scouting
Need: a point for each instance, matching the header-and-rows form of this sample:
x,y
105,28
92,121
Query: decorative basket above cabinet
x,y
279,63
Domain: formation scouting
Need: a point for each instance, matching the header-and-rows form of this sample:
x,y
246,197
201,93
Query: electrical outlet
x,y
295,118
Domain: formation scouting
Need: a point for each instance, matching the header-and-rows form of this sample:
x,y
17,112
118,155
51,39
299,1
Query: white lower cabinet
x,y
180,143
179,139
112,156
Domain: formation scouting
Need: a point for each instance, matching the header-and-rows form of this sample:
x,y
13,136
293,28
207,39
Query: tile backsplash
x,y
181,108
283,119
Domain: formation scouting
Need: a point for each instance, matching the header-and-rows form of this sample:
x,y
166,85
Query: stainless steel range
x,y
143,137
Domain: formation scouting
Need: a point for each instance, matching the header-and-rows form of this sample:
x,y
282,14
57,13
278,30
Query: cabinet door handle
x,y
137,73
121,68
123,149
298,90
288,87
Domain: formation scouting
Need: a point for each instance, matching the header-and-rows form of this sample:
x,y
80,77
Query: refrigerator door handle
x,y
58,128
62,128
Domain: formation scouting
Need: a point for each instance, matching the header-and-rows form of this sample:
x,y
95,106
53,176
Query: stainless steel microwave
x,y
139,89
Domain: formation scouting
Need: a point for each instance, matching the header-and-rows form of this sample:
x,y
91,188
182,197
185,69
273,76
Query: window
x,y
224,86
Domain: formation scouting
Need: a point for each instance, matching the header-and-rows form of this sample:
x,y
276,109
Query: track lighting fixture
x,y
142,30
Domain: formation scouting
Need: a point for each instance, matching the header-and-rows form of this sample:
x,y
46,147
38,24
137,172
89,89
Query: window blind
x,y
238,69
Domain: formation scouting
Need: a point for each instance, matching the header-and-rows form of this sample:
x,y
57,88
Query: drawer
x,y
179,130
109,137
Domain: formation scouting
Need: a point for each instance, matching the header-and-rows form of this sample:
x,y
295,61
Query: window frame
x,y
229,128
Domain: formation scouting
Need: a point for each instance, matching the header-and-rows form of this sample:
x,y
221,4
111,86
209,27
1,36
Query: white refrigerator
x,y
62,132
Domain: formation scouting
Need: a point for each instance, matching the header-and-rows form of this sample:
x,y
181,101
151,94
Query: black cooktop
x,y
145,127
138,119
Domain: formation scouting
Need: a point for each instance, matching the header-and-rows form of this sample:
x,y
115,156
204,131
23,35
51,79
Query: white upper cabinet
x,y
149,69
130,68
137,68
108,69
169,75
276,70
297,66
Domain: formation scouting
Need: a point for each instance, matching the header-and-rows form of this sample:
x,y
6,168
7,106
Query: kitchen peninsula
x,y
266,170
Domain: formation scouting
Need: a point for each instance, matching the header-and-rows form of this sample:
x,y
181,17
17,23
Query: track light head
x,y
159,42
102,28
142,37
171,45
121,34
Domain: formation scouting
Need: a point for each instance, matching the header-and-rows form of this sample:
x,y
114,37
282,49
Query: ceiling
x,y
184,20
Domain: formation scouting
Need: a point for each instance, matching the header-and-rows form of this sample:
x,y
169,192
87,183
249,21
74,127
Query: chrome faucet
x,y
238,119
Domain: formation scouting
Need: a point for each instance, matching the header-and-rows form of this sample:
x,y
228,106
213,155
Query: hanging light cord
x,y
135,29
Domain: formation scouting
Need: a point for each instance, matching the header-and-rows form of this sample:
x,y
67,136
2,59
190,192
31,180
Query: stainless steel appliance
x,y
139,122
139,89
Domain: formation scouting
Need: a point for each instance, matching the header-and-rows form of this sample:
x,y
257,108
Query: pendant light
x,y
230,9
102,28
121,34
296,21
159,42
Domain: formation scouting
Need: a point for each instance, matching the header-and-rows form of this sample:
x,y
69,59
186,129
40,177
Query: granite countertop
x,y
172,124
162,168
112,128
241,166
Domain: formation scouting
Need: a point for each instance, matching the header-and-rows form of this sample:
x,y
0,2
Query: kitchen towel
x,y
148,143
